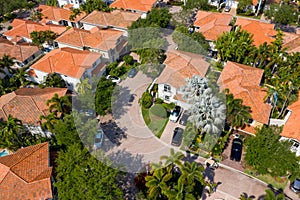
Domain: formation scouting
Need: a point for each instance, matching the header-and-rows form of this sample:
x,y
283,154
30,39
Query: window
x,y
167,88
167,98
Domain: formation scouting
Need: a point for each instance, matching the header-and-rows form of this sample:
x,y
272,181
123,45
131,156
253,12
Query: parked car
x,y
295,186
88,112
113,79
175,114
177,136
132,73
184,118
236,149
227,8
98,139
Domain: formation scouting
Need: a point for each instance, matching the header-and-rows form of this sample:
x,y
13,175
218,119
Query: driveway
x,y
139,146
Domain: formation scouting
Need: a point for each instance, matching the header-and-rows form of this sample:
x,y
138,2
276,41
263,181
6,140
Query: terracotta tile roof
x,y
20,51
57,14
292,127
212,25
66,61
291,41
243,82
27,104
262,32
23,28
138,5
95,38
26,174
181,65
116,18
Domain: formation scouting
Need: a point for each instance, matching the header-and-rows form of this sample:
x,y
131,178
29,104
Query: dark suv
x,y
177,136
184,118
236,149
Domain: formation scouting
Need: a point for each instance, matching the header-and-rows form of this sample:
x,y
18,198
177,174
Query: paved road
x,y
140,146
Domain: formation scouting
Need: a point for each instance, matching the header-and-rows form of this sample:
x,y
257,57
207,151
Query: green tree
x,y
191,42
60,106
266,154
6,62
91,5
282,14
146,100
75,12
40,37
173,158
237,114
199,4
52,3
48,121
36,15
103,97
128,59
81,176
243,5
83,86
236,46
270,195
53,80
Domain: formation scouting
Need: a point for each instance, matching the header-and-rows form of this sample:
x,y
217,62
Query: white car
x,y
98,139
175,114
114,79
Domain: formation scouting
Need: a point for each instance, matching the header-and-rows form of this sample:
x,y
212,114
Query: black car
x,y
295,186
177,137
236,149
132,73
184,118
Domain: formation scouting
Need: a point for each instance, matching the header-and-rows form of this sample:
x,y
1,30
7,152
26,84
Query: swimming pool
x,y
3,153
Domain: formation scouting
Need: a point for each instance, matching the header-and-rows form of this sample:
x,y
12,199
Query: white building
x,y
71,64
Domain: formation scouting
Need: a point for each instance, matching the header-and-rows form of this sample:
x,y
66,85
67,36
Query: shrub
x,y
9,27
146,100
159,111
128,59
159,101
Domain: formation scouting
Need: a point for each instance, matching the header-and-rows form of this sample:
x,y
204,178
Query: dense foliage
x,y
79,174
91,5
53,80
282,14
103,98
193,42
244,7
146,100
199,4
266,154
7,7
40,37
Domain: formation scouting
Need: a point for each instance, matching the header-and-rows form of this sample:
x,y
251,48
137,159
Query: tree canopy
x,y
91,5
40,37
282,14
103,98
266,154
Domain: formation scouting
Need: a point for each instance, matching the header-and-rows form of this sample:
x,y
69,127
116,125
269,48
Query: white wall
x,y
293,148
87,26
37,130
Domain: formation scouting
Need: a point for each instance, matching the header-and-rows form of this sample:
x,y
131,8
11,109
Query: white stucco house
x,y
27,105
71,64
75,3
179,65
111,44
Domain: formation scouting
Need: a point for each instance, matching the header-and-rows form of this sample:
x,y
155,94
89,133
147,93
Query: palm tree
x,y
244,196
83,85
48,121
10,132
270,195
157,183
237,114
208,113
59,105
174,158
53,80
6,62
75,12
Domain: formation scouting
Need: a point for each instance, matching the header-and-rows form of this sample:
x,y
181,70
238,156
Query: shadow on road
x,y
122,99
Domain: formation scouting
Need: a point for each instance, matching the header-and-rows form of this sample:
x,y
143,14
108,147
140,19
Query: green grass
x,y
155,123
278,183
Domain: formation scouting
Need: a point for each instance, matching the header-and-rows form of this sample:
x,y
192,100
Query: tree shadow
x,y
121,100
113,134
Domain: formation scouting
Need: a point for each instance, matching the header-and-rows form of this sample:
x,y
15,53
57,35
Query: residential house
x,y
291,130
59,16
22,53
212,25
71,64
262,32
22,28
116,19
244,83
179,65
26,174
109,43
291,41
28,104
139,6
74,3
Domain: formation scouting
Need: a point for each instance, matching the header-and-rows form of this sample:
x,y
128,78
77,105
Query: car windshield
x,y
175,114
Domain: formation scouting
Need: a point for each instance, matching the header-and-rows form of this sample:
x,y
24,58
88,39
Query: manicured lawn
x,y
156,121
278,183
